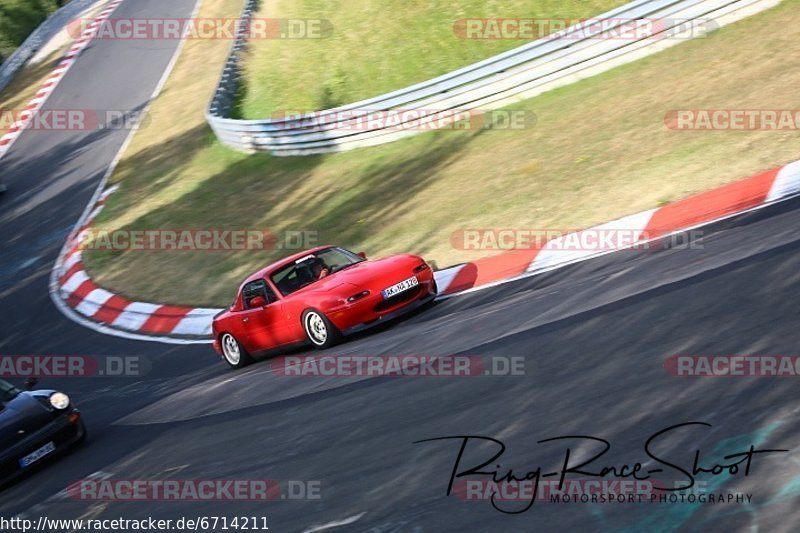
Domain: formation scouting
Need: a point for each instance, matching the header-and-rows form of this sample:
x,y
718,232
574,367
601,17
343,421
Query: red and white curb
x,y
752,193
114,314
81,294
82,301
26,115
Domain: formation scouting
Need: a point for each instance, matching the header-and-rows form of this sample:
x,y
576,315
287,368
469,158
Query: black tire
x,y
320,331
85,434
230,348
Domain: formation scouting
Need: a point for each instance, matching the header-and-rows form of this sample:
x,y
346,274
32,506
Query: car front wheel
x,y
232,351
320,331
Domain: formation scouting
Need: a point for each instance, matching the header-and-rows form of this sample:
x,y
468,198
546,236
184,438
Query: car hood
x,y
372,274
23,413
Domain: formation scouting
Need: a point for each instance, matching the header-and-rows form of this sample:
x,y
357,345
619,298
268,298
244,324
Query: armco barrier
x,y
41,35
575,53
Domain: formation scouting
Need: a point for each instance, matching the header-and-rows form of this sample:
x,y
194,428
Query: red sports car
x,y
318,296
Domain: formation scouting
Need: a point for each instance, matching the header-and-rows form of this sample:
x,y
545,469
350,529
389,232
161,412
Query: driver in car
x,y
319,269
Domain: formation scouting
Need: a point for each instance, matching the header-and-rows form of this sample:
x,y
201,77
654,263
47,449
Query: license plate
x,y
404,285
31,458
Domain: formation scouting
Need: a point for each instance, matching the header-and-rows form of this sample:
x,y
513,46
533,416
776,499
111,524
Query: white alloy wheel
x,y
230,348
316,328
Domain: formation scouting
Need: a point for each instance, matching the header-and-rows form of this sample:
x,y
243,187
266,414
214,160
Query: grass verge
x,y
600,150
376,46
18,18
24,86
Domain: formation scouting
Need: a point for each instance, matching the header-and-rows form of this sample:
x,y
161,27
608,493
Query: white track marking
x,y
786,183
345,522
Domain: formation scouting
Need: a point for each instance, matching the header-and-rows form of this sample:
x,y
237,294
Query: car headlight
x,y
59,400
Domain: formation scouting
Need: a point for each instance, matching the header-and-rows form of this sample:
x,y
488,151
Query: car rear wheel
x,y
320,331
232,351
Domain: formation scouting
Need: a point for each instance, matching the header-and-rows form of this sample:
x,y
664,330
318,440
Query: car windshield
x,y
7,391
313,267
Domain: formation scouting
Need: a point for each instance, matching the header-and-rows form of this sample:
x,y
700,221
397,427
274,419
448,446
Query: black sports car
x,y
34,424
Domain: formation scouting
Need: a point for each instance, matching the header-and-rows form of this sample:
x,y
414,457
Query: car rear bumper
x,y
61,431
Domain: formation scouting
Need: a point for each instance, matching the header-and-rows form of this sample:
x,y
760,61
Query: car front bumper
x,y
61,431
360,321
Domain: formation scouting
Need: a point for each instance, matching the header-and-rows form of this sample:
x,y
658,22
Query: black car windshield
x,y
7,391
313,267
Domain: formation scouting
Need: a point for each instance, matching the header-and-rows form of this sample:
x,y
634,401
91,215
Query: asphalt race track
x,y
594,338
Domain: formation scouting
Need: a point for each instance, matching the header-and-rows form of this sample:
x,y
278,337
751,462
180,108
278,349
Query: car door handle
x,y
246,319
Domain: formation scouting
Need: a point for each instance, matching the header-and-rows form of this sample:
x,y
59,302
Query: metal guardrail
x,y
42,34
575,53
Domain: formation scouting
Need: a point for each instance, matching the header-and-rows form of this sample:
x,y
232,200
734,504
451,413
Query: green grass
x,y
376,46
18,18
600,150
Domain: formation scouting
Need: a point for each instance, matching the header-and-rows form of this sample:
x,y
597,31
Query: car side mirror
x,y
258,301
362,255
30,383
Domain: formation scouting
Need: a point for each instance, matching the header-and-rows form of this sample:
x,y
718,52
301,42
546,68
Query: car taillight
x,y
420,268
357,297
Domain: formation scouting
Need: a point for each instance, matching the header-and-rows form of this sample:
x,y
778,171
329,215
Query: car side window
x,y
255,288
288,280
